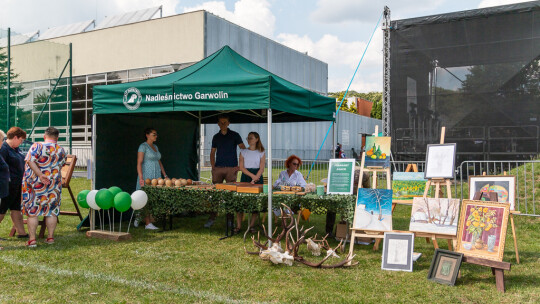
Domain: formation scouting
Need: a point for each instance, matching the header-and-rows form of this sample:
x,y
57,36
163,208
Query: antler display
x,y
277,255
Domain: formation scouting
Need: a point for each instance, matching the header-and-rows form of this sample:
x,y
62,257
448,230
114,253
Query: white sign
x,y
345,137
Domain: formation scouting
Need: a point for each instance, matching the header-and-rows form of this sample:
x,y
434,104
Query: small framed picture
x,y
398,251
504,186
440,161
445,266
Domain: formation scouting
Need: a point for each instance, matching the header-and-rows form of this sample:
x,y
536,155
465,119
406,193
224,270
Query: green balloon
x,y
81,198
115,190
104,199
122,201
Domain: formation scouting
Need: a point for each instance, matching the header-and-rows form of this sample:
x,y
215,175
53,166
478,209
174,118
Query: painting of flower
x,y
482,229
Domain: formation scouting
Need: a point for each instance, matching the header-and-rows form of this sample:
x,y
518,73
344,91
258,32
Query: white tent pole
x,y
92,211
199,150
269,150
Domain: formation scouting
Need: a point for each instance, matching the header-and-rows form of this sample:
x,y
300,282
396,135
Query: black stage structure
x,y
476,72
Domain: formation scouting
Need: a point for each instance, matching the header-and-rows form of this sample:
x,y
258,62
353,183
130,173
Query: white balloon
x,y
91,200
138,199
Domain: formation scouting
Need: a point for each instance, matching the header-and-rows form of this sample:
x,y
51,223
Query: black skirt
x,y
246,179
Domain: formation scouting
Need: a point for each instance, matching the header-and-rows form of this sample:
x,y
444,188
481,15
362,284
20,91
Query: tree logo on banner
x,y
132,98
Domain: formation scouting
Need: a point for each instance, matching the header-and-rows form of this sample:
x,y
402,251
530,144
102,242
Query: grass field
x,y
190,265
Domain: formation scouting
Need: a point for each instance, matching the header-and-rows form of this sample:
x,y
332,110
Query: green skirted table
x,y
167,201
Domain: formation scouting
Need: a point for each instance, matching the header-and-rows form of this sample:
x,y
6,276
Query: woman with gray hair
x,y
42,184
4,174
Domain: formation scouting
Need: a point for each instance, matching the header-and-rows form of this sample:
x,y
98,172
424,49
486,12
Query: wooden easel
x,y
67,172
438,183
377,235
512,212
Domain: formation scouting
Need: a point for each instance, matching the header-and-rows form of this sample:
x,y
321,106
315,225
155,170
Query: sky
x,y
334,31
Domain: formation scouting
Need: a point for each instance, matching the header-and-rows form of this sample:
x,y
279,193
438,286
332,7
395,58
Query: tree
x,y
15,89
375,97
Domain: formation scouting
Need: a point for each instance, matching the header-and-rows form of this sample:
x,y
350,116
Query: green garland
x,y
164,201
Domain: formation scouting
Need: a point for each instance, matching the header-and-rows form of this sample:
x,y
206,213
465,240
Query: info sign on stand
x,y
341,176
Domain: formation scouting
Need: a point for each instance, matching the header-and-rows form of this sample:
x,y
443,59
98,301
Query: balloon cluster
x,y
113,197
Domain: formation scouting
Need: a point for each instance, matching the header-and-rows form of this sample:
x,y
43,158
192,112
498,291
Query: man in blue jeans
x,y
223,157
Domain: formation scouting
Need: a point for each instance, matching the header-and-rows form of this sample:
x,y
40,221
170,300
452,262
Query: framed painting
x,y
373,210
398,251
408,185
445,266
504,186
440,161
435,215
377,151
482,229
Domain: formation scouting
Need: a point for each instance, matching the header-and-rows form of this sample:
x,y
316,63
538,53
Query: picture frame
x,y
482,229
397,252
440,161
503,185
444,268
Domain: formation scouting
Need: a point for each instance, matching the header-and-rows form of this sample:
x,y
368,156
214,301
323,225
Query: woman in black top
x,y
9,151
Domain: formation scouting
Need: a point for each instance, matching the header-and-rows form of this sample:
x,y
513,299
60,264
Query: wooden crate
x,y
227,186
249,189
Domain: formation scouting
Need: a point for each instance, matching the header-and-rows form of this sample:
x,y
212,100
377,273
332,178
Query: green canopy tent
x,y
176,104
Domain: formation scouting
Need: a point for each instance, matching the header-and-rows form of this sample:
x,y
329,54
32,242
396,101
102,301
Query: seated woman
x,y
252,161
291,176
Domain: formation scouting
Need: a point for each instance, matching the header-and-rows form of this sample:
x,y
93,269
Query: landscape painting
x,y
435,215
408,185
373,210
504,186
377,151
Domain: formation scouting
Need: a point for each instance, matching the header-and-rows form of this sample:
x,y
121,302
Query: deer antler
x,y
279,256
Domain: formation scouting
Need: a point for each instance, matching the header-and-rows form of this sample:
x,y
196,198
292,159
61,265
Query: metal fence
x,y
527,175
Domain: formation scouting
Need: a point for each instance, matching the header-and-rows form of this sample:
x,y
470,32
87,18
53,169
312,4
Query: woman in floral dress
x,y
42,184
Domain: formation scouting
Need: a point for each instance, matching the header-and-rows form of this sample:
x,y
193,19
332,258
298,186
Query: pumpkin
x,y
189,181
168,183
183,182
154,182
161,182
177,183
148,181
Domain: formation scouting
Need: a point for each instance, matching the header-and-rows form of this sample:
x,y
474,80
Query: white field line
x,y
131,283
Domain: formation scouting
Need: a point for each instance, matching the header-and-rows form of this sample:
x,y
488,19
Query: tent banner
x,y
134,99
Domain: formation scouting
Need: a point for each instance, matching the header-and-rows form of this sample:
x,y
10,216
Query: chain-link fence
x,y
38,85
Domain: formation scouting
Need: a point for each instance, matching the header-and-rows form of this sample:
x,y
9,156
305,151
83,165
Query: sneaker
x,y
136,223
209,224
151,227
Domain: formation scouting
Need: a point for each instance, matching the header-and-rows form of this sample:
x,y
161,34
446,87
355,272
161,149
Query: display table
x,y
166,201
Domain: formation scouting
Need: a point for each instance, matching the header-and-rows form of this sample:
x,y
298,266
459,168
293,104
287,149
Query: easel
x,y
497,268
438,183
512,212
66,173
377,235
